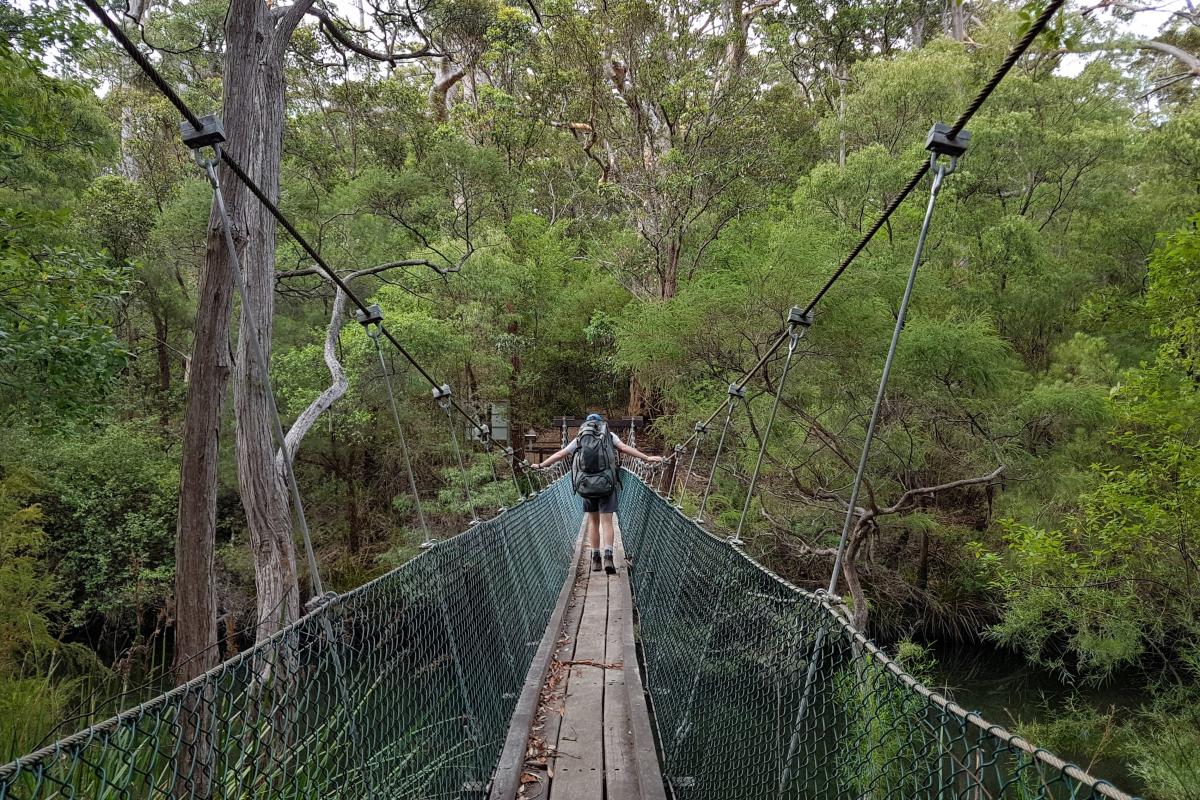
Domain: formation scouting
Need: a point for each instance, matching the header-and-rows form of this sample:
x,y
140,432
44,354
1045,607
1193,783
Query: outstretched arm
x,y
554,459
630,450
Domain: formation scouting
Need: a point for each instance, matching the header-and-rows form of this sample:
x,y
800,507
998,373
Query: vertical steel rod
x,y
762,450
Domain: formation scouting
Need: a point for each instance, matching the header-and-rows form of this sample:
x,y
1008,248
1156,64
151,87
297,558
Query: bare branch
x,y
407,262
334,32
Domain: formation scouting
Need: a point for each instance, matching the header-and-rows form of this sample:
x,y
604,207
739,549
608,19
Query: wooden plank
x,y
620,774
549,721
645,754
506,780
579,767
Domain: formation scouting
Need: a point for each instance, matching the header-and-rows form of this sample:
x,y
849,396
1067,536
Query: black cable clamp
x,y
939,143
798,317
210,134
372,321
737,391
372,315
700,427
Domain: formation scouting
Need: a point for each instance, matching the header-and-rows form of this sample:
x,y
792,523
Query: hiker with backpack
x,y
595,474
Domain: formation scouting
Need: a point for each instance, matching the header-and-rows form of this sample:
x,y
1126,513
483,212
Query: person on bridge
x,y
595,474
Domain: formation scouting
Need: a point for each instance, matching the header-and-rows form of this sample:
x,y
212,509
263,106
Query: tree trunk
x,y
637,397
254,108
195,532
164,368
195,591
958,26
670,275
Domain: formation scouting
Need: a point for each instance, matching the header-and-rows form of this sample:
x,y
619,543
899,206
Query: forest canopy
x,y
566,207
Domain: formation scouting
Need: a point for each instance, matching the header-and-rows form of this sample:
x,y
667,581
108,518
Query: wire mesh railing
x,y
402,688
762,690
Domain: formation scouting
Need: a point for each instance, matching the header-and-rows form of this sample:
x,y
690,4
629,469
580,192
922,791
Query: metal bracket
x,y
700,427
939,141
442,395
372,316
737,391
211,133
798,317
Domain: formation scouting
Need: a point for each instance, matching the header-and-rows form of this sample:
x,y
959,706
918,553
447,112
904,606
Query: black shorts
x,y
605,505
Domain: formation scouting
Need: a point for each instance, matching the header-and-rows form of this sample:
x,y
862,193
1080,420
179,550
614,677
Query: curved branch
x,y
339,383
406,262
333,32
1184,57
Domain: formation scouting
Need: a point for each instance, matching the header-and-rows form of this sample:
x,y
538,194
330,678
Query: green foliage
x,y
107,500
619,208
56,309
1099,594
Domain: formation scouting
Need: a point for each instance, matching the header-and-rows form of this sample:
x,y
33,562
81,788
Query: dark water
x,y
1006,690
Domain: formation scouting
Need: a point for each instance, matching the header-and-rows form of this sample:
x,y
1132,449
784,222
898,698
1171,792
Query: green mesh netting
x,y
762,690
402,688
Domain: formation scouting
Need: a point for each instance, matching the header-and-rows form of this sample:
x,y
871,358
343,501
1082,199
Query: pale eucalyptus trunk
x,y
254,112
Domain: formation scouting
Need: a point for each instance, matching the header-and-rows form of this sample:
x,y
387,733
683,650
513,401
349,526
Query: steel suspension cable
x,y
700,429
1010,60
735,393
443,397
261,366
272,208
373,332
797,331
941,170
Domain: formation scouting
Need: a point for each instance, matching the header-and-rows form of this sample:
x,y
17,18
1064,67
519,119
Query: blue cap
x,y
595,418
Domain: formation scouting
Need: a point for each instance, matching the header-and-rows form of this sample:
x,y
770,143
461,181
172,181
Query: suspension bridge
x,y
493,665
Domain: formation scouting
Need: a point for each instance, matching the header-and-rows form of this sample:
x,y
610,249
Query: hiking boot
x,y
596,562
609,566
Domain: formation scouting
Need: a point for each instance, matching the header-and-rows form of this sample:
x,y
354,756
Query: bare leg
x,y
606,526
593,522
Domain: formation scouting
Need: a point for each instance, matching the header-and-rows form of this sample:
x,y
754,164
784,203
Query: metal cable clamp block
x,y
939,143
799,318
442,395
210,133
700,427
737,392
372,315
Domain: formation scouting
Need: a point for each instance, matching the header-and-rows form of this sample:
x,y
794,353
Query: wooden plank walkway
x,y
586,734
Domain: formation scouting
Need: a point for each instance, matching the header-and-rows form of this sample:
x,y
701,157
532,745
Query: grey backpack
x,y
594,466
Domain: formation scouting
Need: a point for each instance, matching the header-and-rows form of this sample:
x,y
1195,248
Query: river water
x,y
1006,690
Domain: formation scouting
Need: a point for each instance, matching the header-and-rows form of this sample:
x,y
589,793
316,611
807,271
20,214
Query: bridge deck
x,y
587,732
